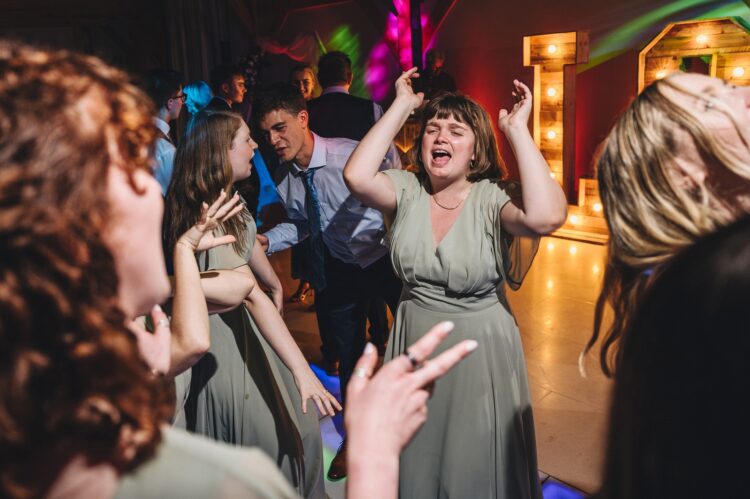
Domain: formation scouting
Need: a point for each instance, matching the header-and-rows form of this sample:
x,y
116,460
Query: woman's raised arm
x,y
544,205
362,170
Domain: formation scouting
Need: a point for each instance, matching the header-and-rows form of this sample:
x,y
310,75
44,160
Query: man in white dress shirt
x,y
349,264
164,86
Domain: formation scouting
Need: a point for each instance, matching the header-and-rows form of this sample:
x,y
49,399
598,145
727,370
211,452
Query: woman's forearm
x,y
370,473
263,270
274,330
190,330
544,202
226,288
366,159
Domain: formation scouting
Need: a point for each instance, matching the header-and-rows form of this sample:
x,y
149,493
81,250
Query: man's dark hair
x,y
333,68
277,97
223,74
161,85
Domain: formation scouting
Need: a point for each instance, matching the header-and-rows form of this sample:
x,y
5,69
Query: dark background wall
x,y
483,40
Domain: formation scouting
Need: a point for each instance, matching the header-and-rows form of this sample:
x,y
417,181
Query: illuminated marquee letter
x,y
554,57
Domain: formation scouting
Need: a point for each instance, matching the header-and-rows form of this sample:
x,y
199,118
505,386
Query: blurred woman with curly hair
x,y
81,411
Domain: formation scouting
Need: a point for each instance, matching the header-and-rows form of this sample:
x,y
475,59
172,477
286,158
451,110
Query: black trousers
x,y
342,306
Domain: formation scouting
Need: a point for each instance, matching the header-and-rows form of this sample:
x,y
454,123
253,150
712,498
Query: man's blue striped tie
x,y
317,250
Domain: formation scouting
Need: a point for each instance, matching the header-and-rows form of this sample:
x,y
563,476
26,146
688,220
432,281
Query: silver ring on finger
x,y
163,322
360,372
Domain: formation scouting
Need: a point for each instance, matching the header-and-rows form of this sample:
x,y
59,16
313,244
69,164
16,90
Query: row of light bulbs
x,y
702,39
737,72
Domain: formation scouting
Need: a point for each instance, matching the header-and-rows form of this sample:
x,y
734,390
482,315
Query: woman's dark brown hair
x,y
487,161
71,377
201,171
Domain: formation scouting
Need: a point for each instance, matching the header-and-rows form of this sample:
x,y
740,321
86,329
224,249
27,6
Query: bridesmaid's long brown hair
x,y
201,171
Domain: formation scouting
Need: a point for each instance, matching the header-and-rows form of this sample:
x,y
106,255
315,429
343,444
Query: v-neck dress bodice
x,y
479,439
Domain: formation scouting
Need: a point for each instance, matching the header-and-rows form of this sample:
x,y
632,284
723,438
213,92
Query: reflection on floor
x,y
554,310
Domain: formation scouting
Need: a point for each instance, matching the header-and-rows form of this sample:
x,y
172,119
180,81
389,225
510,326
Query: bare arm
x,y
263,270
225,289
544,206
274,330
361,173
190,338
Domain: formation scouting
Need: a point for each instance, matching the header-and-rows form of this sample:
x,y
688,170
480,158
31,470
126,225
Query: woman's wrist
x,y
367,458
404,102
183,244
301,369
516,131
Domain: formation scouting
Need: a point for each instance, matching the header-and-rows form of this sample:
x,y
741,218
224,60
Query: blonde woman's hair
x,y
650,213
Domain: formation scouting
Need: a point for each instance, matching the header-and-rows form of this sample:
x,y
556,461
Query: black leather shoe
x,y
337,471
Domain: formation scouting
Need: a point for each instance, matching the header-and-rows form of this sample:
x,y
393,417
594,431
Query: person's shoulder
x,y
339,146
361,100
183,458
218,104
164,148
403,179
497,191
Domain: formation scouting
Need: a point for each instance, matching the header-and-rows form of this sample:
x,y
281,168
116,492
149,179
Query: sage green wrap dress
x,y
242,393
478,440
191,466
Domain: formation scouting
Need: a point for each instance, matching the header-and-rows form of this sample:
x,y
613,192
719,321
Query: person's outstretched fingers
x,y
362,371
435,368
421,349
216,204
231,205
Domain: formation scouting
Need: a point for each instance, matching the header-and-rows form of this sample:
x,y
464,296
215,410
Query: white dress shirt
x,y
352,232
163,156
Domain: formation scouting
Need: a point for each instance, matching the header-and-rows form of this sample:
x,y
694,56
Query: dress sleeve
x,y
405,184
220,258
514,254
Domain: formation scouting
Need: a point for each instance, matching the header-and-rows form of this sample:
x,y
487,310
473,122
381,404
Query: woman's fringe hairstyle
x,y
487,160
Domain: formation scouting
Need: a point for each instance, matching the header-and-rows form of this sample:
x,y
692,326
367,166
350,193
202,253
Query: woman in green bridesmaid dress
x,y
254,386
453,243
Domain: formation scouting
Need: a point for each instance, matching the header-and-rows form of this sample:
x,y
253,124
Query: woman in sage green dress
x,y
452,242
253,387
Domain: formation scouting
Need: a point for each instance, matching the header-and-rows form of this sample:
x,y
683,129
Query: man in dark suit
x,y
336,113
228,85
